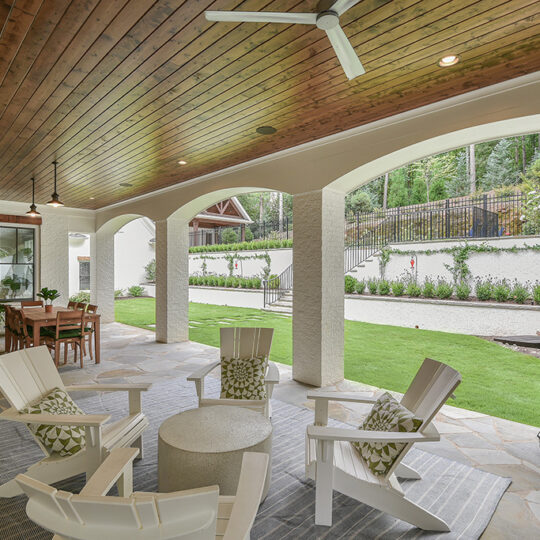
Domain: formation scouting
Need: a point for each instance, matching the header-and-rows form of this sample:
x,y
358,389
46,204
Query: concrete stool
x,y
203,447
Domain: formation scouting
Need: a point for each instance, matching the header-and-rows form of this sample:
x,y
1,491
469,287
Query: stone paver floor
x,y
492,444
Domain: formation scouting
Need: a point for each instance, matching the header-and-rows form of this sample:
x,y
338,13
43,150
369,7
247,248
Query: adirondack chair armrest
x,y
272,375
117,464
248,495
325,433
203,372
340,396
141,387
91,420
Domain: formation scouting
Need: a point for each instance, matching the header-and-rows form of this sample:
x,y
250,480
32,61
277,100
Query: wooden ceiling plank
x,y
105,41
69,136
226,128
414,77
35,36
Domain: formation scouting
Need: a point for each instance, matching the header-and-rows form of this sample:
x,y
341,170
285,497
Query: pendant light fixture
x,y
33,212
55,200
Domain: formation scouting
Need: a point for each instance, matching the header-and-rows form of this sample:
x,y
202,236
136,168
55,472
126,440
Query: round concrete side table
x,y
204,447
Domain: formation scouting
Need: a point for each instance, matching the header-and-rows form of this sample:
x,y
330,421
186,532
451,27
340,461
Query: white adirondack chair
x,y
195,514
334,464
241,342
29,374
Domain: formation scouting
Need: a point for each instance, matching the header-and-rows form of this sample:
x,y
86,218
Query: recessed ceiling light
x,y
92,198
125,184
449,60
266,130
182,162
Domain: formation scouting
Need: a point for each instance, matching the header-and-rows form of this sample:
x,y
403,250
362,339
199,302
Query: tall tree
x,y
472,168
385,192
280,211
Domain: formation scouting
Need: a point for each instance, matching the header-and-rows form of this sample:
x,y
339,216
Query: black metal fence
x,y
266,230
277,286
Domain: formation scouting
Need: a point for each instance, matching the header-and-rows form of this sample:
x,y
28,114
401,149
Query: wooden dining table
x,y
37,318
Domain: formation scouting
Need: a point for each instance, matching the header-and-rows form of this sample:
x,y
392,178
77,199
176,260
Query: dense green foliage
x,y
385,356
226,281
136,290
243,246
81,296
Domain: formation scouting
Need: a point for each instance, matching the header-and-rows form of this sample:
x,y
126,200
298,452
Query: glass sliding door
x,y
17,247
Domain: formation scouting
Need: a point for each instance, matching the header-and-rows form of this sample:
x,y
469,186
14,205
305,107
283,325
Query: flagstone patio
x,y
492,444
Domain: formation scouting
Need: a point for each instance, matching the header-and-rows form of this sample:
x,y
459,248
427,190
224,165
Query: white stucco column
x,y
318,305
54,256
172,280
102,272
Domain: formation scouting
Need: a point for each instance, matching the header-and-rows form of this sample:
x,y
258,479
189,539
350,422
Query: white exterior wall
x,y
281,259
132,252
227,297
78,247
522,265
474,318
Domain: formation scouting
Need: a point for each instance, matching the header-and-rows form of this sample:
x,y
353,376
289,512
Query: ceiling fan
x,y
327,19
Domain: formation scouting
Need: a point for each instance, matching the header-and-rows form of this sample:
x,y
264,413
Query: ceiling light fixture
x,y
33,211
182,162
55,200
92,198
449,60
266,130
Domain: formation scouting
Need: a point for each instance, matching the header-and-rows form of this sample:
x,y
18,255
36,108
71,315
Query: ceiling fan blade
x,y
341,6
345,52
261,16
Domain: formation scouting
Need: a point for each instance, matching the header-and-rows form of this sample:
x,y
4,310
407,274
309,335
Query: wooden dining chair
x,y
13,330
31,303
27,331
69,330
8,335
89,329
72,304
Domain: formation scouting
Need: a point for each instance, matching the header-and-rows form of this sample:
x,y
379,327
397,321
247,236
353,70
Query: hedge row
x,y
243,246
223,281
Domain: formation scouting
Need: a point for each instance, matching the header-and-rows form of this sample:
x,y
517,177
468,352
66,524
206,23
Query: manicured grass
x,y
496,381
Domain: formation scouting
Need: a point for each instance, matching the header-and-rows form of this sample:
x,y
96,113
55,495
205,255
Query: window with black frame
x,y
84,275
16,263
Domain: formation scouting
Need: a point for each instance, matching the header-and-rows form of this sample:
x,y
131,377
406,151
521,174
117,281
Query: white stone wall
x,y
522,265
78,247
475,318
217,264
227,297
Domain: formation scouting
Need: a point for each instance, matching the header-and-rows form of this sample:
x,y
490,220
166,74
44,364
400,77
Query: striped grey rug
x,y
465,497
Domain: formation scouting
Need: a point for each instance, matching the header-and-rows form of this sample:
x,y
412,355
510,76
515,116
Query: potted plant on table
x,y
48,296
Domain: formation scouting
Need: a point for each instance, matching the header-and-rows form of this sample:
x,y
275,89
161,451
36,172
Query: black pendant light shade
x,y
33,212
55,200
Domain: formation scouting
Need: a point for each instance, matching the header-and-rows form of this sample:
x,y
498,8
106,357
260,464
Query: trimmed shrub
x,y
384,287
444,289
372,285
413,289
136,290
484,290
117,293
520,293
229,236
398,288
536,294
502,292
360,286
256,282
429,289
463,290
350,284
273,281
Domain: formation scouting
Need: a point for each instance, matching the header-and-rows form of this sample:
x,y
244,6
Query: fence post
x,y
484,217
357,229
287,226
447,215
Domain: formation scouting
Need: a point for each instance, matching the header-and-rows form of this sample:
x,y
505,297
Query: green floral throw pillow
x,y
65,440
387,414
243,378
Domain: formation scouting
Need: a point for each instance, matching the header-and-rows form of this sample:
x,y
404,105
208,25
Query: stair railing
x,y
276,287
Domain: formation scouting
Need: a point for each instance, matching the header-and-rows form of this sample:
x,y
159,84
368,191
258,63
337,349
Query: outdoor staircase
x,y
283,305
371,262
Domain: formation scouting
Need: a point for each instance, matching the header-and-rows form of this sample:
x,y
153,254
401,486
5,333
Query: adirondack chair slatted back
x,y
430,389
183,514
27,375
244,342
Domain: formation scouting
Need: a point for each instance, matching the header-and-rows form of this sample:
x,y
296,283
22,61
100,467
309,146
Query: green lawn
x,y
496,381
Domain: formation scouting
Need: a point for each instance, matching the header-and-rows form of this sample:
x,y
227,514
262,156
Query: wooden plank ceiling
x,y
118,91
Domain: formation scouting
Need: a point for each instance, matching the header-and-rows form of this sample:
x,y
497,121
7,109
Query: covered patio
x,y
149,109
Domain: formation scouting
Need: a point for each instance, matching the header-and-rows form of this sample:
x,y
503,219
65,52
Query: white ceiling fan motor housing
x,y
327,20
